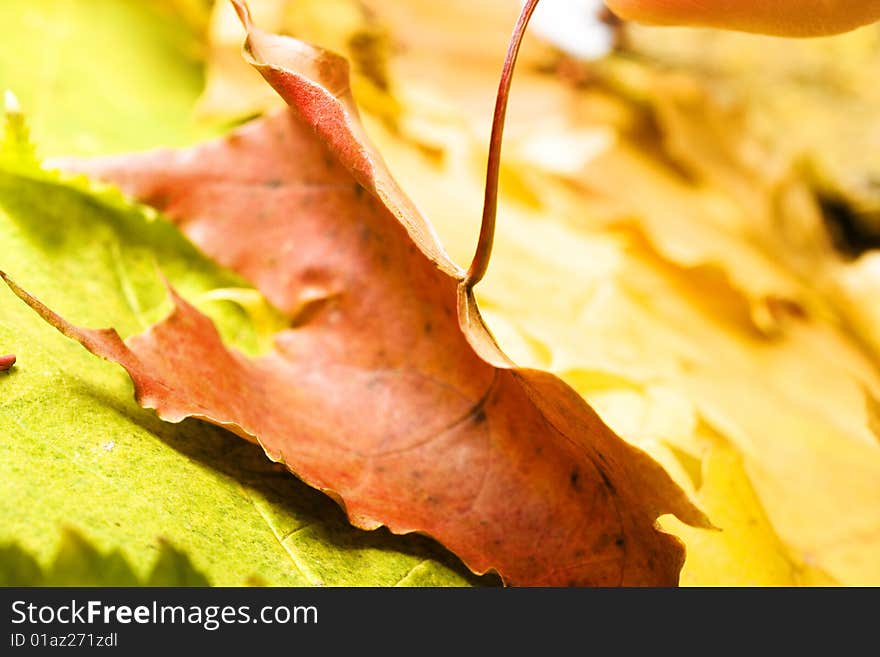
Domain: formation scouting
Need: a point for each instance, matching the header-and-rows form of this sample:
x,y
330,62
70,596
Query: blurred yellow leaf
x,y
235,90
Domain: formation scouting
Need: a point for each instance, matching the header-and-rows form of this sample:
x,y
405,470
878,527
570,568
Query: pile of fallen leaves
x,y
679,319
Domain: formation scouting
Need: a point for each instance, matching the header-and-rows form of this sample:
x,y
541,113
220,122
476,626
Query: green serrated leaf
x,y
18,568
78,563
173,568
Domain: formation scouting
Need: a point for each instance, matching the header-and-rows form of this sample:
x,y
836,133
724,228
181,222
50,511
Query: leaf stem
x,y
480,263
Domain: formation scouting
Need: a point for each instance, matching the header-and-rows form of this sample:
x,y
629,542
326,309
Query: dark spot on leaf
x,y
574,479
606,480
479,416
274,183
358,190
428,327
620,541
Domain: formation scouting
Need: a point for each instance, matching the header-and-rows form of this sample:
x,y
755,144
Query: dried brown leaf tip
x,y
387,393
6,362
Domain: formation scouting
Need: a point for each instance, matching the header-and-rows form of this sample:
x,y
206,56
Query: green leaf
x,y
102,75
18,568
78,563
76,450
